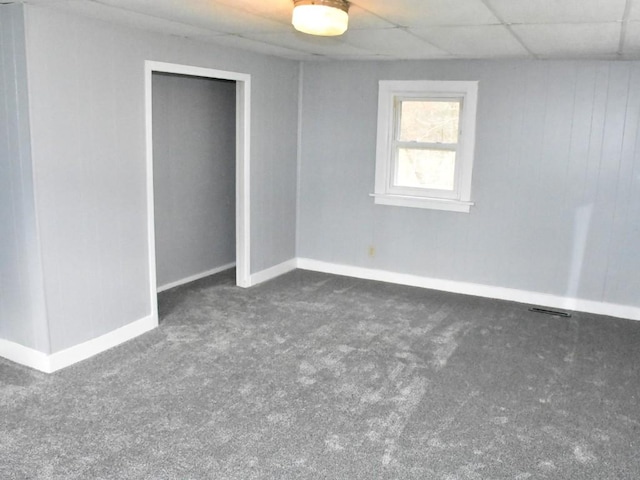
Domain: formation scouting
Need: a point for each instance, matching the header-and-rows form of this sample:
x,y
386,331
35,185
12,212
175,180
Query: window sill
x,y
422,202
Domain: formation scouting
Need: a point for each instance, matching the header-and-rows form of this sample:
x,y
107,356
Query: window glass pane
x,y
417,168
429,121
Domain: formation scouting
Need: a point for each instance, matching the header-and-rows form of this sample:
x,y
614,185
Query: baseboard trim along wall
x,y
273,272
501,293
64,358
195,277
24,355
92,347
50,363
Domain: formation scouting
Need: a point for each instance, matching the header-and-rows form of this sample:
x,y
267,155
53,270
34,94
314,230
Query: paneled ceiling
x,y
393,29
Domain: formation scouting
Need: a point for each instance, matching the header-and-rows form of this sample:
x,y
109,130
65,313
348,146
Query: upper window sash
x,y
397,144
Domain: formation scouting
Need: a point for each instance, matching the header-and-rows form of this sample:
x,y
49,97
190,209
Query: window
x,y
426,137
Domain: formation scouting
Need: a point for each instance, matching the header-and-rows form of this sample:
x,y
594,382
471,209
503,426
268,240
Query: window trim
x,y
389,93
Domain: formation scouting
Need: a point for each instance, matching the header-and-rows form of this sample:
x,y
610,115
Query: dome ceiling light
x,y
321,17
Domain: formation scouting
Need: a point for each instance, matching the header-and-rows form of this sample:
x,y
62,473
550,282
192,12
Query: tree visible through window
x,y
426,143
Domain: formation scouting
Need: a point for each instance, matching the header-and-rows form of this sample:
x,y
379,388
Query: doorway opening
x,y
242,186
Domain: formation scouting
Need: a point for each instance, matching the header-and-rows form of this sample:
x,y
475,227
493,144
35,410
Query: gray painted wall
x,y
88,145
22,305
193,175
556,178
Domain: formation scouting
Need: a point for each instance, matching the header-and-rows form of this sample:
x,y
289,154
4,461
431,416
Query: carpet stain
x,y
279,418
306,368
467,472
406,402
446,343
307,380
546,466
333,443
500,420
442,313
523,476
583,455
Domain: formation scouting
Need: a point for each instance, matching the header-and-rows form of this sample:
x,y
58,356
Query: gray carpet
x,y
313,376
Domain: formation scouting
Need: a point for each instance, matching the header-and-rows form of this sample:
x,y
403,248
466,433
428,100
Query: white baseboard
x,y
195,277
24,355
50,363
501,293
273,272
92,347
64,358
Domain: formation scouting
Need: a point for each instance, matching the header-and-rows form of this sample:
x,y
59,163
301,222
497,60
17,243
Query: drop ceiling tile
x,y
330,46
482,41
203,14
395,42
566,40
631,47
360,18
634,11
278,9
558,11
131,19
421,13
235,41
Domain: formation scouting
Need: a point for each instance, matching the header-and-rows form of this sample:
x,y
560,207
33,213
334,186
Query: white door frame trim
x,y
243,190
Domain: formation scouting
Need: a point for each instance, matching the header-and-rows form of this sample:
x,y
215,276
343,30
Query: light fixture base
x,y
340,4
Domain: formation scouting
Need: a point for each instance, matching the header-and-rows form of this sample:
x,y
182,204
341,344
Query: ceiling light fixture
x,y
321,17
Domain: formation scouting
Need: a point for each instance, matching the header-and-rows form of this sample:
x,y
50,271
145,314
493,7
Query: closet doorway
x,y
197,128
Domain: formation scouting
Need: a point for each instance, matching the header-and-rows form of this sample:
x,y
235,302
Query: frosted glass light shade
x,y
321,17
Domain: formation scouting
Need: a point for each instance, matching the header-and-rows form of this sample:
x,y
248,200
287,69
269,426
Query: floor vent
x,y
553,313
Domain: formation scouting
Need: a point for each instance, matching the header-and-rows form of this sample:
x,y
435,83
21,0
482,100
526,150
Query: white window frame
x,y
390,94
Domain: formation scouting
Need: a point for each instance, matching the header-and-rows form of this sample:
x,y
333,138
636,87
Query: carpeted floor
x,y
313,376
